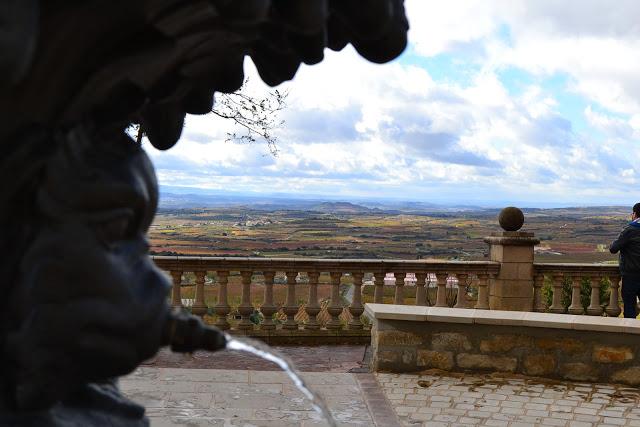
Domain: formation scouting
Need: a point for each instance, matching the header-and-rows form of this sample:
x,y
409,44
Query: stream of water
x,y
262,350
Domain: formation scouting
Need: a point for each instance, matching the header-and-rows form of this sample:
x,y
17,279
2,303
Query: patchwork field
x,y
351,231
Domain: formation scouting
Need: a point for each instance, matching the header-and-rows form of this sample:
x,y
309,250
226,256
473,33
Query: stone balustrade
x,y
577,289
428,277
589,289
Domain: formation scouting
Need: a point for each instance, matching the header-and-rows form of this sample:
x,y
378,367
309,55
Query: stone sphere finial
x,y
511,219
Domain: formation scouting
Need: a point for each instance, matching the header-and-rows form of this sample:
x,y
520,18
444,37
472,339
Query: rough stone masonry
x,y
409,346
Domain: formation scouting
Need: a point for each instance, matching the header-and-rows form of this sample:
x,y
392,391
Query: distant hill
x,y
190,198
340,207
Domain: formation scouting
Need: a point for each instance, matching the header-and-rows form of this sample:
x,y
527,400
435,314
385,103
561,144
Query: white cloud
x,y
437,27
393,130
595,42
613,127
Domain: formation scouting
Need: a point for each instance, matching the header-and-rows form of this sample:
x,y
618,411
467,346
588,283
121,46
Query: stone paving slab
x,y
439,399
213,397
321,358
256,393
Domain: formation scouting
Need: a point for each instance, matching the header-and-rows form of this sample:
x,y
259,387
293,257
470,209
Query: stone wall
x,y
411,345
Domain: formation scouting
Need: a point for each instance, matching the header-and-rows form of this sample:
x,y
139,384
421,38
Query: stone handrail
x,y
558,273
444,272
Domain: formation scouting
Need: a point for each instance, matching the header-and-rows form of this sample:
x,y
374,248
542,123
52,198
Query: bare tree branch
x,y
257,116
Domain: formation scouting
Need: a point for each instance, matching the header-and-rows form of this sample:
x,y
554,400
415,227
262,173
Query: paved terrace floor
x,y
233,389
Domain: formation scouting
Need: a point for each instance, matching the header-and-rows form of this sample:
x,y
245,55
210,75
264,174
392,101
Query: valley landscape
x,y
201,226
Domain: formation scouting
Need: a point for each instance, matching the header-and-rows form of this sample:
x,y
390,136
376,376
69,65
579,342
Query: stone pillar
x,y
512,288
199,307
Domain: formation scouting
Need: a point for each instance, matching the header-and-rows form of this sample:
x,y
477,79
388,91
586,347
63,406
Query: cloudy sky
x,y
523,102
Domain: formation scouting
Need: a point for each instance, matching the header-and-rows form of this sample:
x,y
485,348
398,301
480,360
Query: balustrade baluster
x,y
176,297
538,283
335,308
356,309
222,308
246,308
483,292
268,308
313,308
199,308
290,308
431,291
595,307
576,305
421,291
556,303
613,309
399,294
441,296
378,296
461,300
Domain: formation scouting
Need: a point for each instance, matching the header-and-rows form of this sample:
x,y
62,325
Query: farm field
x,y
345,230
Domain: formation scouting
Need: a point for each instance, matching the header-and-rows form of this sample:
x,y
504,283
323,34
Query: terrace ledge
x,y
499,317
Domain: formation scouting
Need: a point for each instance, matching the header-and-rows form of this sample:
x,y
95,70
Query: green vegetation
x,y
585,292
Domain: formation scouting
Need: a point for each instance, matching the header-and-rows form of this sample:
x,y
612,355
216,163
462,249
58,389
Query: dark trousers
x,y
630,294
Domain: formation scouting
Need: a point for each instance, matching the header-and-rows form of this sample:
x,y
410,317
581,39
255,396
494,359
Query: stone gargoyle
x,y
83,303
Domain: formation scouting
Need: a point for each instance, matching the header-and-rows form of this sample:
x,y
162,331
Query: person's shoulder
x,y
628,229
632,229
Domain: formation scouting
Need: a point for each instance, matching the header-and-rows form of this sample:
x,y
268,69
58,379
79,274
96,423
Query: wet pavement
x,y
442,400
213,397
327,358
234,389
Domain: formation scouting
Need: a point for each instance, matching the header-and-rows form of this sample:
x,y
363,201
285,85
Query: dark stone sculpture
x,y
83,303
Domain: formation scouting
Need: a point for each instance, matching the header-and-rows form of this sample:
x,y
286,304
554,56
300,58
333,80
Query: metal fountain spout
x,y
186,333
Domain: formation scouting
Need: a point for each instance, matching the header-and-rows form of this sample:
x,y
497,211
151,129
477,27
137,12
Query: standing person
x,y
628,244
